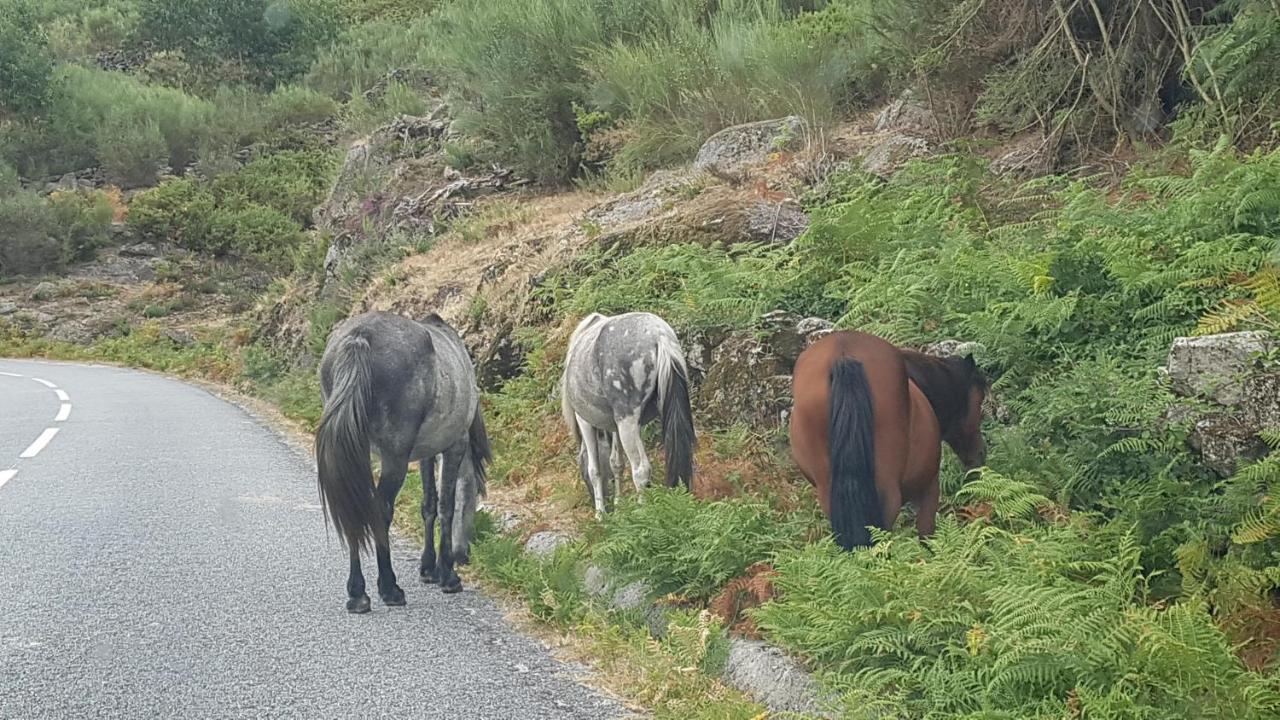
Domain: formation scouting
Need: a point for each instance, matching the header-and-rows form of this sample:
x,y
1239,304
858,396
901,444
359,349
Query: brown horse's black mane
x,y
945,382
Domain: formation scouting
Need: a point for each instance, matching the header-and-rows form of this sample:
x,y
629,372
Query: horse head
x,y
965,434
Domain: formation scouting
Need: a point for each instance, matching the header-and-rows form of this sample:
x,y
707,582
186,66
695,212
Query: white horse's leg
x,y
629,433
615,464
589,439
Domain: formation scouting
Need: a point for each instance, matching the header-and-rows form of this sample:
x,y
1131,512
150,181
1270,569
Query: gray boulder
x,y
1213,366
737,148
890,154
543,545
772,678
907,115
1244,395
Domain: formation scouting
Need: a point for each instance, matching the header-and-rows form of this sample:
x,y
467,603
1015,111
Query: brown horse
x,y
868,425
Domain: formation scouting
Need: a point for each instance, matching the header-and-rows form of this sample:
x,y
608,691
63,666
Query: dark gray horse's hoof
x,y
359,605
454,585
395,598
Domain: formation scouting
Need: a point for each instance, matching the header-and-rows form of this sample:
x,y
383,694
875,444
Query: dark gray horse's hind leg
x,y
357,598
389,483
453,457
427,568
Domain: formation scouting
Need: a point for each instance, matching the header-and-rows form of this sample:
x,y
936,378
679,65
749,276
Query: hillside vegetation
x,y
1098,568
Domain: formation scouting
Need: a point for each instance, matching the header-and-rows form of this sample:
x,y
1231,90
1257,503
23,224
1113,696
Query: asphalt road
x,y
163,555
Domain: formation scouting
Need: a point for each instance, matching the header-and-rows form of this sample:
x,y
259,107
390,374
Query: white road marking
x,y
40,443
45,383
64,412
8,374
62,395
6,476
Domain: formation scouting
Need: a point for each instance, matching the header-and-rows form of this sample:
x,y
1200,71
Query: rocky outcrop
x,y
887,157
907,129
740,147
746,376
1236,395
907,116
398,180
1027,156
1214,367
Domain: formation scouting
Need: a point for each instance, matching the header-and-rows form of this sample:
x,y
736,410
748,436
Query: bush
x,y
515,67
131,151
111,118
43,235
748,61
297,105
252,230
177,211
364,55
79,35
276,40
293,183
26,64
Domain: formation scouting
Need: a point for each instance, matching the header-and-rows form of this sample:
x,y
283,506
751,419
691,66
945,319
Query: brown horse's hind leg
x,y
927,510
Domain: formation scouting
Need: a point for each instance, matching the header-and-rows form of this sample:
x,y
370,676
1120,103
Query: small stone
x,y
773,678
44,291
632,596
906,114
8,308
952,348
542,545
141,249
892,153
595,581
180,337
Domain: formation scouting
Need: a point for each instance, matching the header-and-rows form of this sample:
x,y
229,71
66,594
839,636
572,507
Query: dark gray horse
x,y
619,374
407,391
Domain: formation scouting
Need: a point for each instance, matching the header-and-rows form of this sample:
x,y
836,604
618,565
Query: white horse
x,y
620,373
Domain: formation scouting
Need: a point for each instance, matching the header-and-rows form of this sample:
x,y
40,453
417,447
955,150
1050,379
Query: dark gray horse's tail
x,y
677,417
481,452
855,502
469,488
342,447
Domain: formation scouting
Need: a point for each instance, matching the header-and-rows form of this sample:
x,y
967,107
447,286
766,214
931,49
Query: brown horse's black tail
x,y
342,447
855,504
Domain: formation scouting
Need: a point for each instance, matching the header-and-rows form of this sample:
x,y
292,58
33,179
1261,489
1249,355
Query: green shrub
x,y
695,75
364,55
28,244
93,30
514,65
297,105
26,64
293,183
252,230
82,221
131,150
99,116
275,40
44,234
177,211
679,544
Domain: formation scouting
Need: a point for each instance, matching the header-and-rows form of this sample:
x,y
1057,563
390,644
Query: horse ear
x,y
969,364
